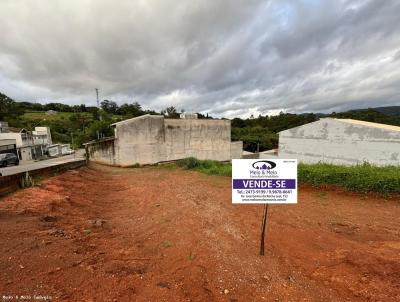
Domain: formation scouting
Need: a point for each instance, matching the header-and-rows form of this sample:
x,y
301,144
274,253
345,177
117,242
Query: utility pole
x,y
97,97
98,102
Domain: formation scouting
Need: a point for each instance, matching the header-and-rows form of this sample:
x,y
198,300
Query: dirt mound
x,y
152,234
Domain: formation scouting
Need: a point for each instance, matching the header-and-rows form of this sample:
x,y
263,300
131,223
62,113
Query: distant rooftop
x,y
16,130
51,112
369,124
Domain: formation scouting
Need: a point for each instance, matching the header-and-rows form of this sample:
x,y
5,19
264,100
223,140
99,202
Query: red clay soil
x,y
156,234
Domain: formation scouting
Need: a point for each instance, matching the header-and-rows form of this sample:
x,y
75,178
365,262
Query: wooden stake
x,y
263,223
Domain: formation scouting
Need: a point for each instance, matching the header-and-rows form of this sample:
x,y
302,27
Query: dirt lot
x,y
155,234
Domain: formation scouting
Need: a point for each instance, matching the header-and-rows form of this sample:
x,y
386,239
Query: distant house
x,y
150,139
29,145
342,141
42,136
185,115
59,150
24,142
51,112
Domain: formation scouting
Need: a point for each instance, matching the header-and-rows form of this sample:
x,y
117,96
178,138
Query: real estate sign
x,y
264,181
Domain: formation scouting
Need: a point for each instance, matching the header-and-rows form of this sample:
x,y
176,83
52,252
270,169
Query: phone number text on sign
x,y
264,181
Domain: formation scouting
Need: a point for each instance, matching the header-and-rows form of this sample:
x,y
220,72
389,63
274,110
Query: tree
x,y
9,109
109,106
170,112
101,128
80,120
238,123
130,110
58,107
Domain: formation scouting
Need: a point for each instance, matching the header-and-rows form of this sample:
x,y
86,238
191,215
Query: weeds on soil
x,y
210,167
359,178
167,244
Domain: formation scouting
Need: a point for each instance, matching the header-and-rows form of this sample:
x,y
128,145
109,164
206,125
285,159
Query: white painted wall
x,y
53,150
199,138
332,141
236,150
42,135
138,140
150,139
12,135
26,153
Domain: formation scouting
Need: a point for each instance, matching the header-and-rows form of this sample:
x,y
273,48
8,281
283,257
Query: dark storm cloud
x,y
223,57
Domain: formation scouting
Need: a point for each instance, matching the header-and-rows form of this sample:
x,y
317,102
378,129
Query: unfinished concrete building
x,y
150,139
342,141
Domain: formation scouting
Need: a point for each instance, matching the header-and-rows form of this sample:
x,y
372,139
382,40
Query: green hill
x,y
42,115
79,123
389,110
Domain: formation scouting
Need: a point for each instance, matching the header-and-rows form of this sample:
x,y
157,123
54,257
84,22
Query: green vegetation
x,y
255,138
41,115
210,167
77,124
261,133
360,178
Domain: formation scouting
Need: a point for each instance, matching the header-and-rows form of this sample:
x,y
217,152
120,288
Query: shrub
x,y
209,167
361,178
188,163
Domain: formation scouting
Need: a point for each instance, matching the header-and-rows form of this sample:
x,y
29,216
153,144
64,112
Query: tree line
x,y
75,124
81,123
261,133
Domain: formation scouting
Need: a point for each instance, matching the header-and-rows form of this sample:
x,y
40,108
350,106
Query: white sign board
x,y
264,181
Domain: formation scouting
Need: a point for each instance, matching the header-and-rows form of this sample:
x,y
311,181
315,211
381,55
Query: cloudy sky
x,y
225,57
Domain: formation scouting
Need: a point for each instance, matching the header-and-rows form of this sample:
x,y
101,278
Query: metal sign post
x,y
263,224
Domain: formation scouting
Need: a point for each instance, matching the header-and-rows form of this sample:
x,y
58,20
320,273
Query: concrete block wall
x,y
333,141
237,150
139,140
200,138
102,151
151,139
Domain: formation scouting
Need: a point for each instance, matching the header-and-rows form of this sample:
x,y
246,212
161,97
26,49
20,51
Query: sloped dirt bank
x,y
153,234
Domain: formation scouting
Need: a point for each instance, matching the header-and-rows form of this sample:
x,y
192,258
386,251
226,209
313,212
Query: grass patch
x,y
41,115
37,180
137,165
210,167
168,166
360,178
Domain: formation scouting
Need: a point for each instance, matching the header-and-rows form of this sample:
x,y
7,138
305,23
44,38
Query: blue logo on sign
x,y
264,165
